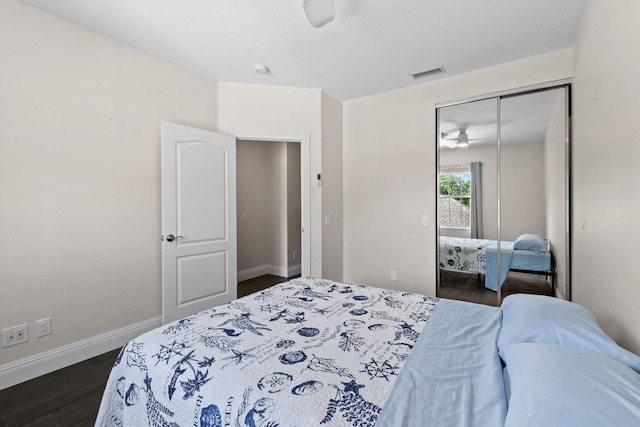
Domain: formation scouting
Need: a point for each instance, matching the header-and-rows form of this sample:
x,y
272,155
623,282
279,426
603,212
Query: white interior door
x,y
198,220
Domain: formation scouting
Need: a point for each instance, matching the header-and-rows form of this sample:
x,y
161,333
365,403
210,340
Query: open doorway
x,y
269,213
272,209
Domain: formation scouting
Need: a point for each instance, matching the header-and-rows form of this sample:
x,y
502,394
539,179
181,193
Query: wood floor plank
x,y
27,402
79,413
44,421
257,284
467,287
104,361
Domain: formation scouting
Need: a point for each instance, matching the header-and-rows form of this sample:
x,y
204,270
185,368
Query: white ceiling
x,y
372,45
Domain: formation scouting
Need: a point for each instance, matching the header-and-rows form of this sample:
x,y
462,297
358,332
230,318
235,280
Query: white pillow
x,y
531,242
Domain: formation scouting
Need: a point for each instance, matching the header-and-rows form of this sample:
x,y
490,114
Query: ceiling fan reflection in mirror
x,y
460,140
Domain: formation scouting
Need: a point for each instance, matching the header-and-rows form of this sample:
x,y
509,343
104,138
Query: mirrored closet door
x,y
503,196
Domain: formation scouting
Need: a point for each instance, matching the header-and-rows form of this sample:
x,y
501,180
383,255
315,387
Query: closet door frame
x,y
557,84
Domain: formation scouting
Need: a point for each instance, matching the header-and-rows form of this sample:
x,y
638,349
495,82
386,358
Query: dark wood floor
x,y
467,286
71,396
250,286
67,397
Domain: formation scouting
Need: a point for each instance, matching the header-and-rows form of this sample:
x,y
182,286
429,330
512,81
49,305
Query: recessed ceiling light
x,y
261,69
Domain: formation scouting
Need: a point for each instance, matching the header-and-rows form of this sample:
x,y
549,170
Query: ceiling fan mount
x,y
319,12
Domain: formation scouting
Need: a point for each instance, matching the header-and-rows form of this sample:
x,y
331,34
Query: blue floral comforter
x,y
464,254
305,352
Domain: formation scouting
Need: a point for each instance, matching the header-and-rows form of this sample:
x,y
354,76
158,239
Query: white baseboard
x,y
25,369
251,273
294,270
276,270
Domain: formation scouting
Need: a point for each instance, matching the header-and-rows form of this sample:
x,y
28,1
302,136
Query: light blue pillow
x,y
531,242
543,319
560,386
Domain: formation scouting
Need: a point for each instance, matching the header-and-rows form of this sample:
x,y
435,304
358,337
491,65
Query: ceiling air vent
x,y
422,74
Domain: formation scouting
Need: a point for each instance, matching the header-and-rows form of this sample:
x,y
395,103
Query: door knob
x,y
171,237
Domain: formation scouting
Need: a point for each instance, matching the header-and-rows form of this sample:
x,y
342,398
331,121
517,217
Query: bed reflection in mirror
x,y
502,199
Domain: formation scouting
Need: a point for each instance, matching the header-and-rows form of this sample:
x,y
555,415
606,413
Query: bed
x,y
316,352
529,253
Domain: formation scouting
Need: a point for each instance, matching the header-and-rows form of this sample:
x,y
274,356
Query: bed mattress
x,y
531,260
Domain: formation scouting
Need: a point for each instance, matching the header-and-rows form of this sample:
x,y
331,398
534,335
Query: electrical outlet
x,y
15,335
394,275
43,327
295,254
